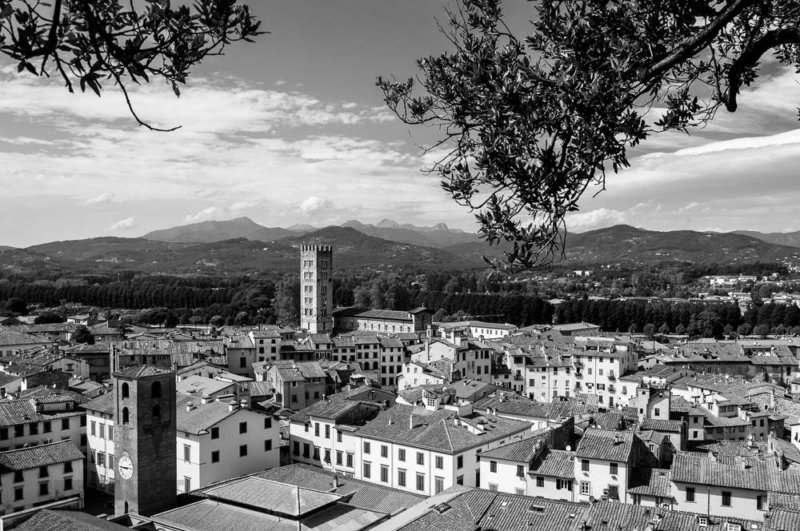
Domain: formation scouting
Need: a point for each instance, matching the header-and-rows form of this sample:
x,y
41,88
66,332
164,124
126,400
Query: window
x,y
92,428
155,390
125,415
539,481
760,503
401,455
187,483
367,469
268,446
101,459
726,498
215,432
68,467
101,430
215,456
460,461
613,469
420,458
19,430
243,450
460,480
4,433
125,390
439,462
327,431
689,494
64,426
420,482
349,460
438,485
492,466
156,413
243,427
585,488
327,455
242,363
338,436
657,412
520,471
492,486
43,489
187,453
384,474
43,472
18,494
384,451
366,447
268,424
585,465
401,478
67,483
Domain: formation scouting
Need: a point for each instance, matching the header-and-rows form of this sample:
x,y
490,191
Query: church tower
x,y
144,440
316,288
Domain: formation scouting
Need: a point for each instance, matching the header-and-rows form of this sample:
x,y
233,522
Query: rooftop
x,y
608,445
266,495
41,455
142,371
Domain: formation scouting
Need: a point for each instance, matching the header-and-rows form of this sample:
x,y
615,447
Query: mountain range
x,y
243,246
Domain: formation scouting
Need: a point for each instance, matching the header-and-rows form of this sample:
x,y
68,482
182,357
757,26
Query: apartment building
x,y
100,468
604,462
42,419
40,474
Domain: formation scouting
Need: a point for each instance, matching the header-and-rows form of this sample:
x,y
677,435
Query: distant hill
x,y
792,239
215,231
623,243
439,236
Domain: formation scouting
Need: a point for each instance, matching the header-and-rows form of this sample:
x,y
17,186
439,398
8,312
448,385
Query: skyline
x,y
291,130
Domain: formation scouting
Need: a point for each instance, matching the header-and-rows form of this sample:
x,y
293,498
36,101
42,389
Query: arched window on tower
x,y
156,413
125,415
125,390
155,390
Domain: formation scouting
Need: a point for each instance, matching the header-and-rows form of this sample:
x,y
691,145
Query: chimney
x,y
411,422
205,399
189,406
336,481
232,406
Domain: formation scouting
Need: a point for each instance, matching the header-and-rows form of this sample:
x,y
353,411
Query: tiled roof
x,y
671,426
50,520
259,493
749,474
391,342
142,371
12,338
607,445
24,411
555,463
362,494
518,451
783,519
388,315
651,482
212,515
680,521
41,455
201,385
437,430
606,515
201,416
103,403
326,409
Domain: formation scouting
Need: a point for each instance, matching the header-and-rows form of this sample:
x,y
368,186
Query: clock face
x,y
125,466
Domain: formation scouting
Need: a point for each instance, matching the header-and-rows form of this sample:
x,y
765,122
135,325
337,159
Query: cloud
x,y
596,219
123,225
104,198
314,204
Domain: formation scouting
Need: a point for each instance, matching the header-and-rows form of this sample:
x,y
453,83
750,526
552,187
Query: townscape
x,y
385,419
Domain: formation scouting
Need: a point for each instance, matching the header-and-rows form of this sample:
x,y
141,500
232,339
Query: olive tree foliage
x,y
528,124
91,42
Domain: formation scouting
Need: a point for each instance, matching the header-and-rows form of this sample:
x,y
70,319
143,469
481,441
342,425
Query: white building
x,y
604,461
40,474
42,419
219,440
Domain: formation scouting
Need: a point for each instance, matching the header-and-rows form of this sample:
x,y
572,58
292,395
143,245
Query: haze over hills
x,y
439,236
354,249
791,239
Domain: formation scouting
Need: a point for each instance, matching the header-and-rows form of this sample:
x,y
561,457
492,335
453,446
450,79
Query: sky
x,y
291,129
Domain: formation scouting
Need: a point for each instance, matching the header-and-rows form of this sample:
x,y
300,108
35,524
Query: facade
x,y
218,440
144,440
604,462
40,474
316,288
41,420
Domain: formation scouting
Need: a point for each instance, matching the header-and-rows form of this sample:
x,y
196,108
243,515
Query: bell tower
x,y
316,288
144,440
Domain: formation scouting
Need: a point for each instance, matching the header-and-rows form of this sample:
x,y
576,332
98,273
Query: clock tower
x,y
144,440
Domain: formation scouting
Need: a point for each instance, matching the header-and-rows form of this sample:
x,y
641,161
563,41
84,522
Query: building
x,y
100,443
604,462
316,288
144,440
387,321
40,474
295,385
44,419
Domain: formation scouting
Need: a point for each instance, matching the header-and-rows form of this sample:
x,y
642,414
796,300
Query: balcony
x,y
612,389
611,376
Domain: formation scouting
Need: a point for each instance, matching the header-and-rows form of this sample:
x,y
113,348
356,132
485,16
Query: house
x,y
40,474
41,420
100,443
218,440
296,385
737,487
604,462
